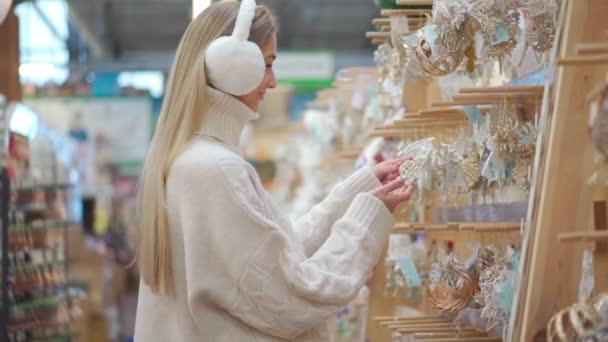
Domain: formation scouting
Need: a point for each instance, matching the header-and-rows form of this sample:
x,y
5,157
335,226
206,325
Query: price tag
x,y
501,35
409,271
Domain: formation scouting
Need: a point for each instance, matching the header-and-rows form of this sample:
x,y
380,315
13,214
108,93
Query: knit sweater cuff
x,y
363,180
370,212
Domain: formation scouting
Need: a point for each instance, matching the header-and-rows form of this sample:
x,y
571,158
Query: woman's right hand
x,y
394,193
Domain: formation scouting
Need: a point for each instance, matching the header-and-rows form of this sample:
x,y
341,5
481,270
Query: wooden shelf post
x,y
600,255
551,271
9,58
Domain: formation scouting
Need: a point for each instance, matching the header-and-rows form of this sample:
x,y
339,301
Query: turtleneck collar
x,y
225,117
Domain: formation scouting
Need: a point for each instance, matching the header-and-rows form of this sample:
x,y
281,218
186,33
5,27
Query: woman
x,y
218,260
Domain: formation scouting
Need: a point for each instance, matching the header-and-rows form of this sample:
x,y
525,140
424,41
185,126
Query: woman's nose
x,y
272,82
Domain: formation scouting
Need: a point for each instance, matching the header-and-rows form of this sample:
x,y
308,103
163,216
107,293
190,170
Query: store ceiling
x,y
118,29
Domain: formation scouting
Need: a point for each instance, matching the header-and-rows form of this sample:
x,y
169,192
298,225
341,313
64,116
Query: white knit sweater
x,y
242,271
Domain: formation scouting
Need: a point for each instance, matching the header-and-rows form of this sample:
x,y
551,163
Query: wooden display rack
x,y
417,18
442,119
565,214
447,121
562,203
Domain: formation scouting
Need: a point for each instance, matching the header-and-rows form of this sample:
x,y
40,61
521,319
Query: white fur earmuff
x,y
5,6
235,65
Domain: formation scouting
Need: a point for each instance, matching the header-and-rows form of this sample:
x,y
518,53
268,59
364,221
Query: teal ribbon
x,y
501,35
474,115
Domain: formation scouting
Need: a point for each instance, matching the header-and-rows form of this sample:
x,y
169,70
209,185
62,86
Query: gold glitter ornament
x,y
395,281
486,15
435,65
388,60
456,290
503,131
540,31
410,169
452,40
471,171
452,33
491,311
540,26
521,172
580,322
525,156
491,265
498,23
487,256
412,70
506,139
504,49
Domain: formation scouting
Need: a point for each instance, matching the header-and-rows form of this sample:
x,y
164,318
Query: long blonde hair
x,y
180,118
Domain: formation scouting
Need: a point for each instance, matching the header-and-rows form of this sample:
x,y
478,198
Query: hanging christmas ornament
x,y
492,268
525,155
503,129
504,40
498,23
598,118
456,289
506,139
389,65
470,168
410,169
405,45
540,26
540,32
435,58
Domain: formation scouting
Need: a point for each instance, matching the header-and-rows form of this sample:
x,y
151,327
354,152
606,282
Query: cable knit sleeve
x,y
253,266
314,227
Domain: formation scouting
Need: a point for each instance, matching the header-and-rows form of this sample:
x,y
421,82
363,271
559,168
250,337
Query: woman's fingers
x,y
394,193
409,190
383,169
393,185
401,159
403,194
389,170
390,177
386,168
